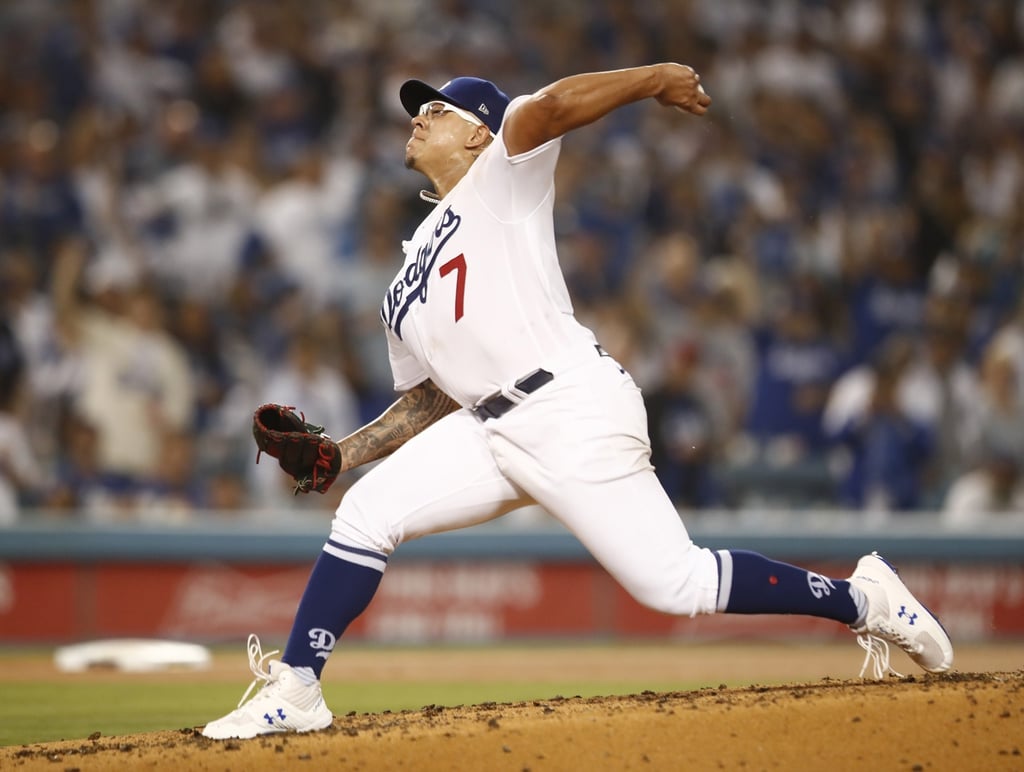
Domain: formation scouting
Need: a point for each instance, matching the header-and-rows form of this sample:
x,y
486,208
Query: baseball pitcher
x,y
507,400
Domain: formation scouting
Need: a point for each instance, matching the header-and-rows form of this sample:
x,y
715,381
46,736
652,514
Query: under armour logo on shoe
x,y
908,614
280,715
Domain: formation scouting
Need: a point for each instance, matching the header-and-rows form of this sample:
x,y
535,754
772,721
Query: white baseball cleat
x,y
285,703
894,615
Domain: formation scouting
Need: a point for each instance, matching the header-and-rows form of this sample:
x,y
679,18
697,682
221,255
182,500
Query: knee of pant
x,y
688,590
359,524
678,601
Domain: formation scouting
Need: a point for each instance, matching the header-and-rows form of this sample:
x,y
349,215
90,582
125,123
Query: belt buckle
x,y
484,410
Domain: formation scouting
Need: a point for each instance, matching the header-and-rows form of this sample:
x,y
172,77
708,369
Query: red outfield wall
x,y
437,600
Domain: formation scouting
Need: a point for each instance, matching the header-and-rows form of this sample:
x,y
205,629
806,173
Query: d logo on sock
x,y
322,641
820,585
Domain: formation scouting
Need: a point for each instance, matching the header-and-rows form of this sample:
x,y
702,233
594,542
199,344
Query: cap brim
x,y
416,93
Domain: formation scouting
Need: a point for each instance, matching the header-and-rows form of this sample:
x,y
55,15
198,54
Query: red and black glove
x,y
302,449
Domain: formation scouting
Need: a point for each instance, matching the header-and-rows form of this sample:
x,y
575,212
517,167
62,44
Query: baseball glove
x,y
302,449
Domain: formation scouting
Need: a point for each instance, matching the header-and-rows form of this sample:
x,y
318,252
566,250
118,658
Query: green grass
x,y
48,710
43,711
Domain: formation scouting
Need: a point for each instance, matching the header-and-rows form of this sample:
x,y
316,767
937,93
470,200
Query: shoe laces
x,y
256,660
876,656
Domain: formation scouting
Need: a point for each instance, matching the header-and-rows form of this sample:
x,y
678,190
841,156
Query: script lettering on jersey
x,y
411,284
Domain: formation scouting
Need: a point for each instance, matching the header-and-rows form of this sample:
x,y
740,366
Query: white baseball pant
x,y
579,448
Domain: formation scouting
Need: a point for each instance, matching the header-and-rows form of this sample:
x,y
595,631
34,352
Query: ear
x,y
479,139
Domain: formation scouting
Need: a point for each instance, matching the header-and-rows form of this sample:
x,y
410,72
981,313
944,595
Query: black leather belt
x,y
497,405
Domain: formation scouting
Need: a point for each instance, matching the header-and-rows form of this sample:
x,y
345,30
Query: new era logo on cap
x,y
476,95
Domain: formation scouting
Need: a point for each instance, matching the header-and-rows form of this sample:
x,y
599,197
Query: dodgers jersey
x,y
481,300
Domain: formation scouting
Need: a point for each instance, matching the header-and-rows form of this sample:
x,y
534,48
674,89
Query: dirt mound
x,y
959,721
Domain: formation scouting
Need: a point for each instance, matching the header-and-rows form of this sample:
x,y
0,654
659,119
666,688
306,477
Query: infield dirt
x,y
957,721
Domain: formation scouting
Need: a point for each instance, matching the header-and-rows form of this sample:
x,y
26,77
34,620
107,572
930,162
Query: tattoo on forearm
x,y
411,413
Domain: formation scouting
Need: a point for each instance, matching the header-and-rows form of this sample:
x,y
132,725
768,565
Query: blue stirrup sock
x,y
337,592
750,583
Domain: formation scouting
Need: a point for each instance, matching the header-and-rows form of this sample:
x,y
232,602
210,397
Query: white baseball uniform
x,y
479,303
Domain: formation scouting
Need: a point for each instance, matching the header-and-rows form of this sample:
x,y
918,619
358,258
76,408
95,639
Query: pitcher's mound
x,y
957,721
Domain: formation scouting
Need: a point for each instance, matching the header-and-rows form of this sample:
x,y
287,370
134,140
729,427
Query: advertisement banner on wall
x,y
438,601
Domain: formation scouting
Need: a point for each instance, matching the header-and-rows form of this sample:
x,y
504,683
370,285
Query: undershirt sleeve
x,y
512,187
406,371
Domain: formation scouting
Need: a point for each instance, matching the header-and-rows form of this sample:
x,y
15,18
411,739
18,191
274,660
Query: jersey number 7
x,y
457,264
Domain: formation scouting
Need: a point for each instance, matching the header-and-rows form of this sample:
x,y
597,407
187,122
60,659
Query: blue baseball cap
x,y
476,95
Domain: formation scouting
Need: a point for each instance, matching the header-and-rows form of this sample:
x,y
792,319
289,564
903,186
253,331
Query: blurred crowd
x,y
817,286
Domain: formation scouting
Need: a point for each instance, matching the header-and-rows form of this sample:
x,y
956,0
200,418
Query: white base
x,y
135,655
